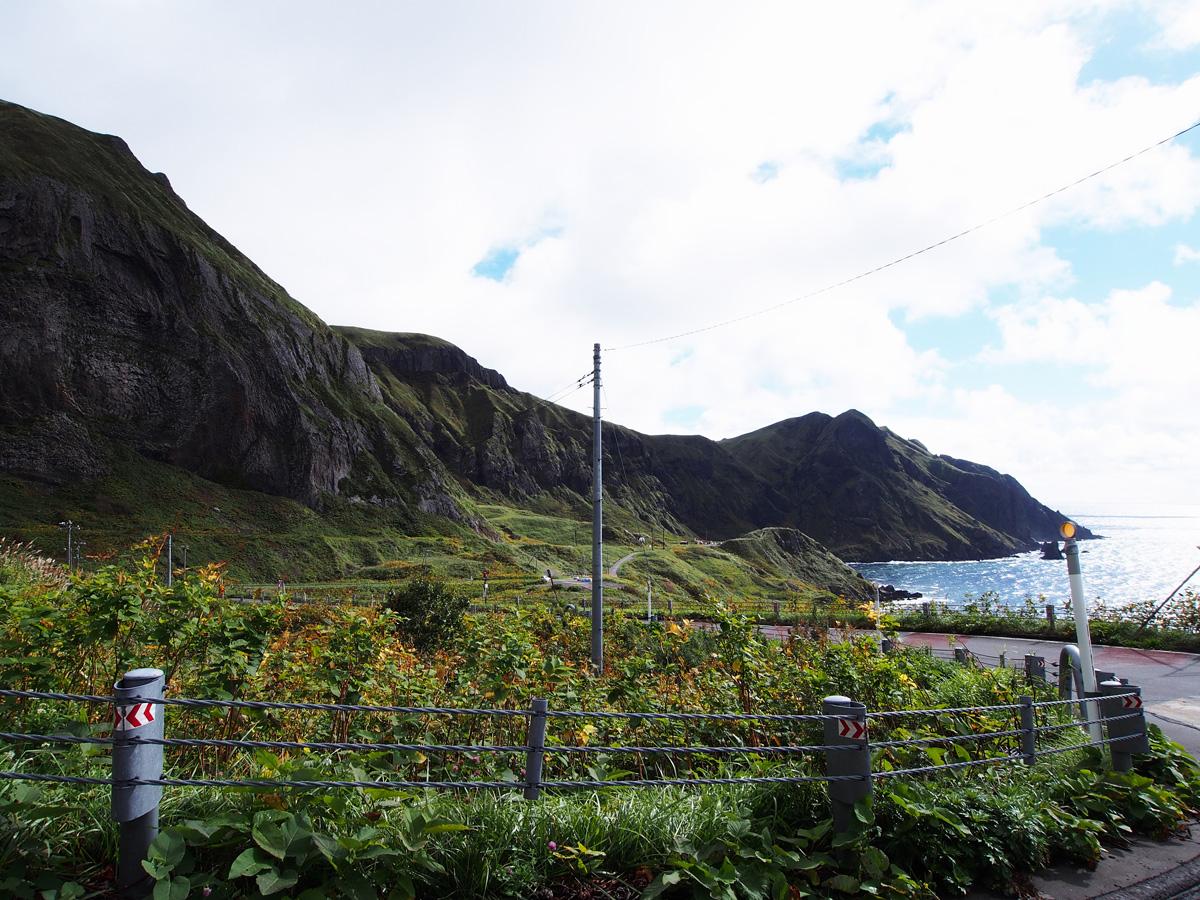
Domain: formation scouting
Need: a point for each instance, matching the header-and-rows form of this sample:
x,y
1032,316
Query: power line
x,y
905,258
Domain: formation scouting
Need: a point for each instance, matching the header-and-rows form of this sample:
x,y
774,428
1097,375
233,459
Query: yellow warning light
x,y
1067,530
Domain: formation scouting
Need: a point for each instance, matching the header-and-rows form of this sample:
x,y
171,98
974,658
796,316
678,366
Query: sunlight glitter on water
x,y
1143,555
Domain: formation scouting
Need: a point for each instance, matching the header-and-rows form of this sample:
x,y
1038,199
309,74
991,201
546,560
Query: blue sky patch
x,y
497,264
871,154
1123,45
1126,259
956,338
883,132
765,172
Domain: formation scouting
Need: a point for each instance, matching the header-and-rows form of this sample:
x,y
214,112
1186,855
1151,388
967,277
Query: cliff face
x,y
870,495
128,320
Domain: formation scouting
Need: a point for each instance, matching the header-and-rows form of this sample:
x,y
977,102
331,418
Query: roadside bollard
x,y
1050,614
537,748
776,609
847,754
886,646
1126,736
1035,668
1028,734
962,655
925,609
135,807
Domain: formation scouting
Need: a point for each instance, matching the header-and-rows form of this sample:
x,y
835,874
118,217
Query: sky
x,y
527,179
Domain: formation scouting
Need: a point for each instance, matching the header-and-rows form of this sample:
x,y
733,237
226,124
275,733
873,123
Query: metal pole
x,y
135,806
847,755
1083,634
1028,734
649,605
597,523
537,749
1126,735
170,559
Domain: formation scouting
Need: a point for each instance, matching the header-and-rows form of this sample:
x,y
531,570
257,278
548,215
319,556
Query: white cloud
x,y
370,157
1185,254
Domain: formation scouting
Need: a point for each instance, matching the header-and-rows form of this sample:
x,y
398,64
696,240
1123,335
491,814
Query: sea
x,y
1140,553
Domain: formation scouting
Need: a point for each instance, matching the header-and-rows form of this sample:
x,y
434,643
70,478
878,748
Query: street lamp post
x,y
69,525
1083,633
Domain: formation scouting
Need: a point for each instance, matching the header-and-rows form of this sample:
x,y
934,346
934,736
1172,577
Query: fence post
x,y
1028,735
848,753
537,748
1004,659
1126,736
1035,668
1050,614
135,806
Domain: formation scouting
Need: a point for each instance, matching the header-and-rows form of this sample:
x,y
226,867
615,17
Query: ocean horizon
x,y
1141,552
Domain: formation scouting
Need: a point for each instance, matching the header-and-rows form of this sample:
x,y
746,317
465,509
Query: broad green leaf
x,y
356,886
269,836
661,882
330,848
754,881
445,827
250,862
273,881
156,870
168,847
403,889
844,883
176,889
875,861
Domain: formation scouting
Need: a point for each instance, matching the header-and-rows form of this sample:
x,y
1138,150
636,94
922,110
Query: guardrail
x,y
138,741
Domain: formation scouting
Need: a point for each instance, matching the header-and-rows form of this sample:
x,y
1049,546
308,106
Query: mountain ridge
x,y
131,322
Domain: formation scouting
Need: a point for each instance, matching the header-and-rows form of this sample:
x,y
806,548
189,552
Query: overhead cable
x,y
907,257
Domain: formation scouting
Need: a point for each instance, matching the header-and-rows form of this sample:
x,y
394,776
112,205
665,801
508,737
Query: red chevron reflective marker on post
x,y
852,728
1133,702
130,717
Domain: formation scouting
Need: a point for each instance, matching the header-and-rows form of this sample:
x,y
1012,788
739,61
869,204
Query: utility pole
x,y
597,524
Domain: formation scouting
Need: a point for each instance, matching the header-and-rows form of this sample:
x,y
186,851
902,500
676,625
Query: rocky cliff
x,y
129,323
128,320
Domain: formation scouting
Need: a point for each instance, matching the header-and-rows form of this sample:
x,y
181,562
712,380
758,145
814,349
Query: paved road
x,y
1170,682
615,569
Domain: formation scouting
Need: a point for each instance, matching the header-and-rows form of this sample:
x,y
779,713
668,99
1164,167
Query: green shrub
x,y
429,611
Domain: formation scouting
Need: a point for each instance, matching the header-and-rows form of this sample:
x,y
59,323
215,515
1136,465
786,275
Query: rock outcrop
x,y
128,320
129,323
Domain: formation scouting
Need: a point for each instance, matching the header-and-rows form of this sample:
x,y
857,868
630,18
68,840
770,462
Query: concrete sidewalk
x,y
1148,870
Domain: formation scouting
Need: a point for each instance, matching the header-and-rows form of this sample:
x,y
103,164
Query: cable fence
x,y
548,749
